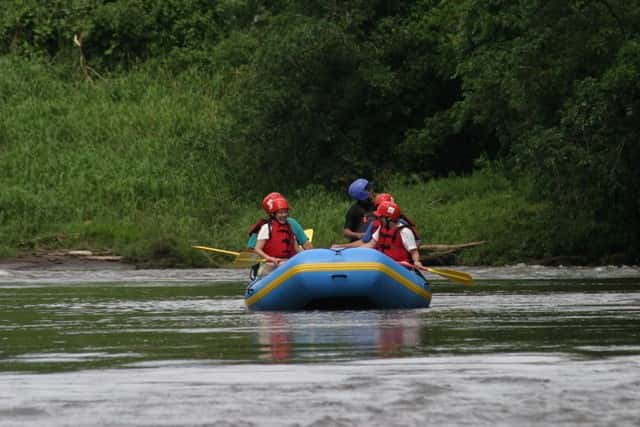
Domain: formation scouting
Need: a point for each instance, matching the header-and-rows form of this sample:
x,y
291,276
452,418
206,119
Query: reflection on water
x,y
286,336
47,327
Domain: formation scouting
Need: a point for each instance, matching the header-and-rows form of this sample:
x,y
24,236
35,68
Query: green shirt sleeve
x,y
298,231
251,243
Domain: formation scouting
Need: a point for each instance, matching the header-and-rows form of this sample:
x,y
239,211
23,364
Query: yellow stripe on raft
x,y
351,266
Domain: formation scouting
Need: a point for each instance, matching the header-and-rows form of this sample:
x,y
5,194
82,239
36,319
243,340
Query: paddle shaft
x,y
245,258
456,276
220,251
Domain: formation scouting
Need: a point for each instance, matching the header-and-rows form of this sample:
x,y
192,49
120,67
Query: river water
x,y
527,345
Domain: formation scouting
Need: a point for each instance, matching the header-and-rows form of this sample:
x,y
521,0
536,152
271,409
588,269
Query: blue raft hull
x,y
357,278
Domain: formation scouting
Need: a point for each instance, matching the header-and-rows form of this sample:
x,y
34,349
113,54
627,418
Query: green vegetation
x,y
145,126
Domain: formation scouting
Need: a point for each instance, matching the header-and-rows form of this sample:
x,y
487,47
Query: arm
x,y
251,243
409,242
346,232
368,233
370,244
354,244
298,231
298,246
352,219
263,236
301,237
415,257
374,239
366,238
259,250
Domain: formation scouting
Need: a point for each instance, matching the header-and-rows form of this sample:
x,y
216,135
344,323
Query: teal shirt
x,y
295,226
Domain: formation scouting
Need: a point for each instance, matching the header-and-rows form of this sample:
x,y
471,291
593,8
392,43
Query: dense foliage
x,y
240,97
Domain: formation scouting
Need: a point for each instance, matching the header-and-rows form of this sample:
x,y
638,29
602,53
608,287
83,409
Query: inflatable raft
x,y
347,279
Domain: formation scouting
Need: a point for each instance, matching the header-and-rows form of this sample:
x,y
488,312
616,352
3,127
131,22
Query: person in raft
x,y
361,212
276,241
301,237
394,239
375,224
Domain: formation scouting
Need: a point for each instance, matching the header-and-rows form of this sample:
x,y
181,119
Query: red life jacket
x,y
281,242
377,224
390,243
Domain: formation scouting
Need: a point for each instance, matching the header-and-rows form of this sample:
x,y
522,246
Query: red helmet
x,y
382,197
274,205
267,198
388,210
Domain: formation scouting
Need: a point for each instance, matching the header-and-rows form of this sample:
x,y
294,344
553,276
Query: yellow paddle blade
x,y
220,251
309,233
454,275
247,259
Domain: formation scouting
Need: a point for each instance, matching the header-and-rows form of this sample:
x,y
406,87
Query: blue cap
x,y
359,189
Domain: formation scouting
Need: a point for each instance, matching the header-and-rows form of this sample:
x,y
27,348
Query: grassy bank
x,y
128,165
113,164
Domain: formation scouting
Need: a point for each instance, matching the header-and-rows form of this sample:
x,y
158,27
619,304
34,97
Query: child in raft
x,y
276,242
375,224
394,239
301,237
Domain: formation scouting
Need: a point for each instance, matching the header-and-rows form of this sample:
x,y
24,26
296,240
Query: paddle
x,y
247,257
456,276
309,233
220,251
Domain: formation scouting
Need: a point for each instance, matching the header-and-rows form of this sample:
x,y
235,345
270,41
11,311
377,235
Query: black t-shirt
x,y
358,216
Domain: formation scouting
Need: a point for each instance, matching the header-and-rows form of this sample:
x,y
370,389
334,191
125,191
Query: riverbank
x,y
59,267
484,207
86,260
62,260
